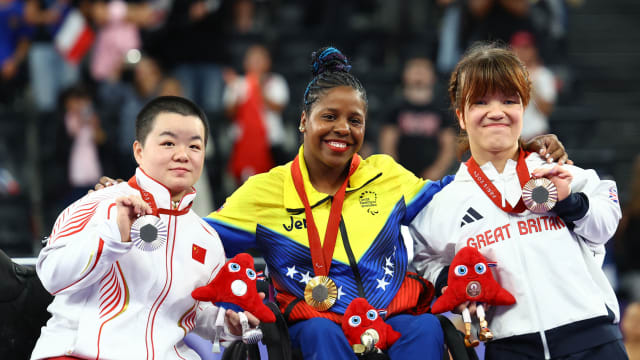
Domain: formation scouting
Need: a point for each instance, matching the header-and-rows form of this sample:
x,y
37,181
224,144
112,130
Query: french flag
x,y
74,38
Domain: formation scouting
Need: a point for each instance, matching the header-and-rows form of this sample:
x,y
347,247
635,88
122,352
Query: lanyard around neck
x,y
491,191
321,254
148,198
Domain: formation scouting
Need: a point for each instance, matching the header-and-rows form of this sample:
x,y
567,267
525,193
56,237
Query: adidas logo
x,y
471,216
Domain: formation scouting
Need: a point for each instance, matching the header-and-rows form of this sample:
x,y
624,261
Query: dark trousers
x,y
613,350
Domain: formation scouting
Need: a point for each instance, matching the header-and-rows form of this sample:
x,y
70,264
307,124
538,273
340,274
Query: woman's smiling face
x,y
173,152
334,129
493,122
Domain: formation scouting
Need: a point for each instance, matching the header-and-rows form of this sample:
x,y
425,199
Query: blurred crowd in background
x,y
74,73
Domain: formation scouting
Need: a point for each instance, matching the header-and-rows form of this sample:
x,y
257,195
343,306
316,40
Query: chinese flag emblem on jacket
x,y
198,253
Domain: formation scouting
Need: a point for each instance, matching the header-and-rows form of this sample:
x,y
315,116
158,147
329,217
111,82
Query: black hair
x,y
77,91
330,69
167,104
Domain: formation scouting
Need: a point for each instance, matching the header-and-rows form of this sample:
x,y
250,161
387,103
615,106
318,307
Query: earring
x,y
301,128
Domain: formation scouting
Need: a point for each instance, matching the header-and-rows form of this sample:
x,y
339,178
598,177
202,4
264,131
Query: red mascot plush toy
x,y
470,279
365,330
236,284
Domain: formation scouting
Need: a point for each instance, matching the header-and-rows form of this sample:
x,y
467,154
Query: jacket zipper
x,y
533,308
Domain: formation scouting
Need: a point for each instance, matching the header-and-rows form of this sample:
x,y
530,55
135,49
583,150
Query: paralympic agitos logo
x,y
368,200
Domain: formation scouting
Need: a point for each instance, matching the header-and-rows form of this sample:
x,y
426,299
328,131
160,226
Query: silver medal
x,y
148,233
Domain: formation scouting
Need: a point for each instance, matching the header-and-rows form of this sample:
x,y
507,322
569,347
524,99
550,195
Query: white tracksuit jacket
x,y
553,272
115,301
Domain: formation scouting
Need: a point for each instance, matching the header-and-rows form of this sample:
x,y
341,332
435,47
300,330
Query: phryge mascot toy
x,y
365,330
470,279
235,287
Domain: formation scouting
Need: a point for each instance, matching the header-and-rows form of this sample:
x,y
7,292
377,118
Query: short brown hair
x,y
484,69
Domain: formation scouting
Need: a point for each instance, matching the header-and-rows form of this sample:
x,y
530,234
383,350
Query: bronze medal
x,y
148,233
539,195
474,289
321,293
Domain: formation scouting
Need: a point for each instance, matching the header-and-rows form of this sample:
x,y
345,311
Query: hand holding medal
x,y
148,233
540,191
134,218
539,195
546,187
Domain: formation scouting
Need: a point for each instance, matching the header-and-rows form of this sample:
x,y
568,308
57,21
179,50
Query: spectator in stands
x,y
118,33
627,241
246,19
248,26
49,71
193,46
543,90
255,102
465,22
14,46
84,138
631,330
417,132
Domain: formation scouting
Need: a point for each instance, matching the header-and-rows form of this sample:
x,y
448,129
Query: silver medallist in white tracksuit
x,y
115,301
550,262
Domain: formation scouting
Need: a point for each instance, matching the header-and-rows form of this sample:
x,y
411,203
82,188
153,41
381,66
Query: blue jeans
x,y
49,74
202,83
320,338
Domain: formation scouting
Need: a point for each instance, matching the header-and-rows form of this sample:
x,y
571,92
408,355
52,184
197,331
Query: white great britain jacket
x,y
553,272
115,301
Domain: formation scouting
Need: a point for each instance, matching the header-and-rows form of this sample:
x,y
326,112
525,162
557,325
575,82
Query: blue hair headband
x,y
329,54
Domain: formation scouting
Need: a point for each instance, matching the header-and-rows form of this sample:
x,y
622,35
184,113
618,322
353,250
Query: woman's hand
x,y
129,209
470,305
550,147
233,321
105,182
559,176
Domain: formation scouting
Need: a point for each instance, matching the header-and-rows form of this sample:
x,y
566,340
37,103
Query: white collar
x,y
506,182
161,193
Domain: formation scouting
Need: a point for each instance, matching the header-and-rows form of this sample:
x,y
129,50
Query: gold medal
x,y
321,293
359,349
539,195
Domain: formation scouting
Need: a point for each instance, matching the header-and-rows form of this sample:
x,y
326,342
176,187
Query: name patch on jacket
x,y
523,227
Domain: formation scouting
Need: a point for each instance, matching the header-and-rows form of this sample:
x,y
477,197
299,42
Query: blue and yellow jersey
x,y
266,213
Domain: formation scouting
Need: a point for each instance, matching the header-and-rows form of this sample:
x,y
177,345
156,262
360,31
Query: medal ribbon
x,y
492,192
148,198
322,255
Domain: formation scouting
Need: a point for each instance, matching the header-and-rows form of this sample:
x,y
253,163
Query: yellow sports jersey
x,y
370,258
